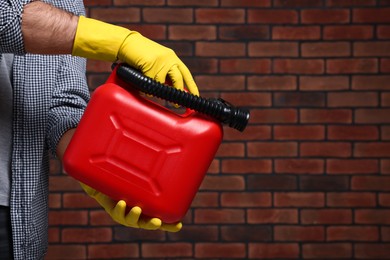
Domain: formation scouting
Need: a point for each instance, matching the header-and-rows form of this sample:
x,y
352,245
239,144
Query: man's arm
x,y
47,29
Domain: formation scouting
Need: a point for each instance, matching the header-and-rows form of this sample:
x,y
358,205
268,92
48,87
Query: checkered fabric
x,y
50,94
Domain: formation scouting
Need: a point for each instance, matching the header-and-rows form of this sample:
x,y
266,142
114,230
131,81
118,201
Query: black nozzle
x,y
218,109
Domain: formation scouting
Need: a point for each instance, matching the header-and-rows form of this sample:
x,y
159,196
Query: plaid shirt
x,y
50,94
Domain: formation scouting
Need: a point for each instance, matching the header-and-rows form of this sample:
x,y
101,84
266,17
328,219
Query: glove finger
x,y
133,216
118,212
188,79
149,223
175,227
176,77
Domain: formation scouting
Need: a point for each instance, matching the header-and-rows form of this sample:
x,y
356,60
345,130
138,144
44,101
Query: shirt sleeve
x,y
11,38
69,100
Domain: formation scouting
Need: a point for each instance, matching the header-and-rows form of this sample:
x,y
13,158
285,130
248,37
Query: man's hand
x,y
49,30
134,218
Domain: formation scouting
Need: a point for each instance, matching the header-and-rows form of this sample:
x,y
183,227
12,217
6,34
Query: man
x,y
42,100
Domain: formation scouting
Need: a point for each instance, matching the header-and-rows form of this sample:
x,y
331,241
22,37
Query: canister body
x,y
131,148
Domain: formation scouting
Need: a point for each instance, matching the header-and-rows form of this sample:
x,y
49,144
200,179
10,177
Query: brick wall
x,y
310,176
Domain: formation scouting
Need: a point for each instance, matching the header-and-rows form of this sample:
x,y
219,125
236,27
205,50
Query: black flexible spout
x,y
219,109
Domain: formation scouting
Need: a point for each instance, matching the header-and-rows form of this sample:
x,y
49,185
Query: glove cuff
x,y
98,40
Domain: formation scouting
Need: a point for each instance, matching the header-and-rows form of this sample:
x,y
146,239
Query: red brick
x,y
272,16
100,218
272,216
218,83
349,233
376,49
245,199
63,183
248,99
385,166
55,201
351,3
222,183
263,149
325,116
224,49
272,83
348,32
353,132
150,250
325,149
298,66
377,82
54,235
299,233
189,2
274,116
245,3
63,252
384,199
339,166
299,99
299,166
205,199
251,133
89,235
385,234
372,116
247,166
324,183
167,15
326,216
273,49
220,250
296,33
299,199
138,2
217,16
372,149
385,99
152,31
243,32
103,251
271,182
351,66
191,32
115,15
327,251
385,65
323,83
79,200
350,99
326,49
219,216
231,150
89,3
351,199
324,16
371,15
298,3
68,218
372,216
383,32
378,183
273,250
257,66
239,233
372,251
299,132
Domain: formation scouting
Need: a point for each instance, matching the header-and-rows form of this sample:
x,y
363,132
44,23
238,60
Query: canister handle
x,y
218,109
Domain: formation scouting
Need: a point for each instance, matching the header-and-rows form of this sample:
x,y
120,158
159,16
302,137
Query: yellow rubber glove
x,y
102,41
134,218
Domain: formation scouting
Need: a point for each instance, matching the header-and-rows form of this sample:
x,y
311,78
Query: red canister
x,y
131,148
